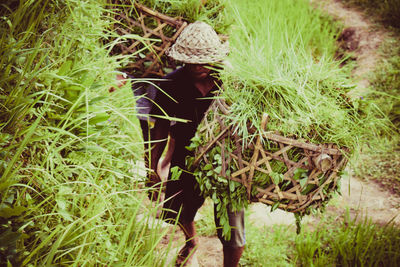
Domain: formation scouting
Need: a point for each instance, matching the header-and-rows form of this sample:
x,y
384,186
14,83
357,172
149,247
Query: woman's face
x,y
198,71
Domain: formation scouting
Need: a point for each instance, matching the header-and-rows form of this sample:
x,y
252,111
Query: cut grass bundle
x,y
288,71
282,64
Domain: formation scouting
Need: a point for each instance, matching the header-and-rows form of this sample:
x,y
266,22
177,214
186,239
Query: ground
x,y
361,197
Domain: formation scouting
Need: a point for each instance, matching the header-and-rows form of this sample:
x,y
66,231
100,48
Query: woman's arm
x,y
159,134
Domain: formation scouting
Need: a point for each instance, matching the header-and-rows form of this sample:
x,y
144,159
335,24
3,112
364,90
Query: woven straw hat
x,y
198,44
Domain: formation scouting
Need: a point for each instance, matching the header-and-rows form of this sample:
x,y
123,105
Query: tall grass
x,y
349,243
267,246
333,241
69,193
282,57
383,164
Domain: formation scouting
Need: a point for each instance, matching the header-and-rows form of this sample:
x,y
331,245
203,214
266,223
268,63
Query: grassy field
x,y
70,189
383,165
334,240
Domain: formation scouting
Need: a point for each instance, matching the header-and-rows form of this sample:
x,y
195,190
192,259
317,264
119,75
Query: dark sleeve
x,y
165,102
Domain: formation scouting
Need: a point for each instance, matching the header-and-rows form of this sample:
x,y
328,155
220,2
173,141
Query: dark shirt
x,y
145,94
187,103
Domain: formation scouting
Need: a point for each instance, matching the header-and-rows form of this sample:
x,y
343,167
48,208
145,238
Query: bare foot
x,y
186,254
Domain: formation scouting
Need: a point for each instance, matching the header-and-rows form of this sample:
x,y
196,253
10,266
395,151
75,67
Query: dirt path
x,y
360,36
361,198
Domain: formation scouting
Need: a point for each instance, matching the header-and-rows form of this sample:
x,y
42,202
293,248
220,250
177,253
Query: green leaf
x,y
208,185
227,231
61,203
218,169
308,189
175,173
298,173
207,167
277,178
8,212
275,206
8,238
232,186
66,215
65,67
214,196
190,148
100,117
302,182
96,99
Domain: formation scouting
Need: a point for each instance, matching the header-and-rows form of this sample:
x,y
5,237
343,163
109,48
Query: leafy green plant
x,y
267,246
68,192
350,243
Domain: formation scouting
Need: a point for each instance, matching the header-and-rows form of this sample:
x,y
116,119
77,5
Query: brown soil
x,y
361,197
360,36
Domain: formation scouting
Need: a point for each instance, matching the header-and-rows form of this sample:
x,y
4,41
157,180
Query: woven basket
x,y
158,31
319,164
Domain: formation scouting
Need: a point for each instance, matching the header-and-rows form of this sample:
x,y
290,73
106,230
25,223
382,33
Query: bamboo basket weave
x,y
322,162
158,31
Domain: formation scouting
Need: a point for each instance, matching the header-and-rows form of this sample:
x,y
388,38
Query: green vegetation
x,y
386,82
343,243
348,243
284,65
212,11
69,191
286,68
333,241
375,162
268,246
383,164
70,188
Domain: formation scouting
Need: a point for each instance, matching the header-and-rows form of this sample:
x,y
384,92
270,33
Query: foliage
x,y
211,12
332,241
267,246
386,82
284,65
68,193
378,163
289,72
350,243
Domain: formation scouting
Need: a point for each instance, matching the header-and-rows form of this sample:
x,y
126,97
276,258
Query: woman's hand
x,y
121,81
